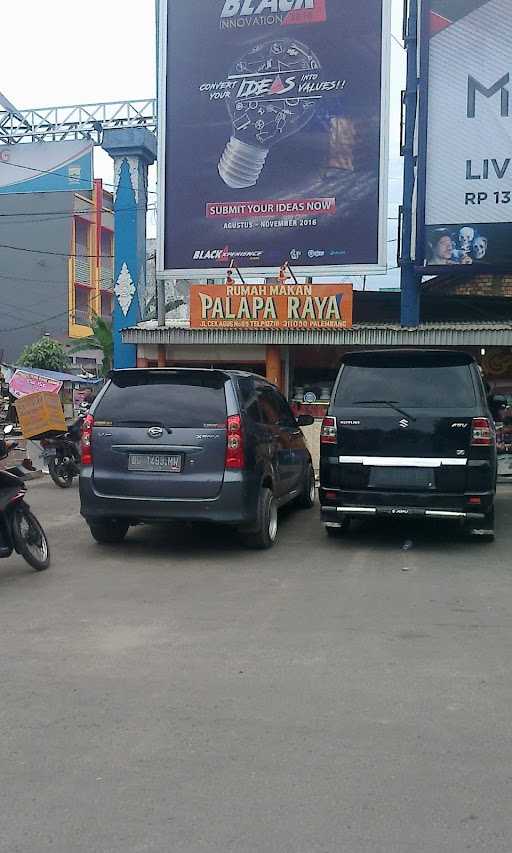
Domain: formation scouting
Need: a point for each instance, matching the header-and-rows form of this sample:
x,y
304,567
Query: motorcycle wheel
x,y
60,473
30,539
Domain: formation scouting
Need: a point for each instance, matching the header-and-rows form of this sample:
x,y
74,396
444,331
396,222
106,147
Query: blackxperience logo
x,y
237,14
224,255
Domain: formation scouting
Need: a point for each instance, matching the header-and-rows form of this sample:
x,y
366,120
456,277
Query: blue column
x,y
133,150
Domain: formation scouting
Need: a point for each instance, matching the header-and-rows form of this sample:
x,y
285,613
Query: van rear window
x,y
172,400
414,387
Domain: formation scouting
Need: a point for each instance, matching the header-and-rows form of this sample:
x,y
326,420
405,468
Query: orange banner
x,y
271,306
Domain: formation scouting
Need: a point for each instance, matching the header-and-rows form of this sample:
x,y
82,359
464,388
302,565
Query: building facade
x,y
304,362
56,267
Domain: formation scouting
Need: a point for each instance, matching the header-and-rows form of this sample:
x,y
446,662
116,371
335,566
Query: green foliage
x,y
46,353
102,339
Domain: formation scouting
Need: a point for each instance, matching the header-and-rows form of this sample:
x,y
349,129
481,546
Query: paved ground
x,y
178,693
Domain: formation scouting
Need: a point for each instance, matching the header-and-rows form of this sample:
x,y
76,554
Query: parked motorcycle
x,y
20,530
62,454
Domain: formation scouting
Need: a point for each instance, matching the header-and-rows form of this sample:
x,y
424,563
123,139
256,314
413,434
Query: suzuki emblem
x,y
155,432
404,423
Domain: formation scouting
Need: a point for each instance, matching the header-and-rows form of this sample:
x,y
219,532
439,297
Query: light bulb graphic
x,y
266,105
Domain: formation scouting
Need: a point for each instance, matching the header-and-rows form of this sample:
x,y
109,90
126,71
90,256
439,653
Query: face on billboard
x,y
272,134
467,150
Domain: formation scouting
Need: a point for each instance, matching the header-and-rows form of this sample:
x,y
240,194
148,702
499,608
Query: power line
x,y
65,216
40,322
48,252
67,212
24,307
37,281
63,175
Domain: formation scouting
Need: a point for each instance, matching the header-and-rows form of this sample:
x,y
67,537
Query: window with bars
x,y
106,304
82,253
82,305
106,260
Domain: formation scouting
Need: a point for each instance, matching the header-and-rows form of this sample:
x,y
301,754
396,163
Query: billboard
x,y
271,306
46,167
465,164
272,136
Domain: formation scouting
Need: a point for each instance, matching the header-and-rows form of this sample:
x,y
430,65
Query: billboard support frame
x,y
337,271
410,281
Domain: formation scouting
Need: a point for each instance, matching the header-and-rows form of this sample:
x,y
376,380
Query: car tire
x,y
482,530
108,532
338,532
264,534
306,498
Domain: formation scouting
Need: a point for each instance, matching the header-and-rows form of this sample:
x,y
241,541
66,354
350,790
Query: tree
x,y
46,353
102,339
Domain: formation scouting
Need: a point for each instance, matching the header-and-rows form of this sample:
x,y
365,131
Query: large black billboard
x,y
465,162
272,135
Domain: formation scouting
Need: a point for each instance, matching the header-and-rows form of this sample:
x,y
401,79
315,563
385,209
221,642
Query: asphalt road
x,y
178,693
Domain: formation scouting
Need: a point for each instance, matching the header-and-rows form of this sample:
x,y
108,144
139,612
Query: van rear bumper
x,y
236,504
415,505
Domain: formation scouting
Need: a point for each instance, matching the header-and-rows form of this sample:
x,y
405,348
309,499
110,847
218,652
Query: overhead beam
x,y
78,121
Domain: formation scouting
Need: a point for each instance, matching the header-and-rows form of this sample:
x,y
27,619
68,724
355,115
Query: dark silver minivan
x,y
192,445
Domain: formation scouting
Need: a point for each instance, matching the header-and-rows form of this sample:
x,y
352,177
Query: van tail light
x,y
235,456
482,434
85,442
328,433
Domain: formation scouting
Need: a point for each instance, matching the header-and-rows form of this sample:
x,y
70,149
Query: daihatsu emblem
x,y
404,423
155,432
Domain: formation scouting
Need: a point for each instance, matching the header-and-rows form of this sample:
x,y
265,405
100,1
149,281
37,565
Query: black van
x,y
408,433
192,445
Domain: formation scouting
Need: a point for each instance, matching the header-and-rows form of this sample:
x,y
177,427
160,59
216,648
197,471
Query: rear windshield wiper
x,y
390,403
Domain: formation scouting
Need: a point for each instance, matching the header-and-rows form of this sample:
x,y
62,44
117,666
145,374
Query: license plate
x,y
402,478
155,462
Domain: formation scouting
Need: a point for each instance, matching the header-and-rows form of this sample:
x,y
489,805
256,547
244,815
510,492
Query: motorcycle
x,y
20,530
62,454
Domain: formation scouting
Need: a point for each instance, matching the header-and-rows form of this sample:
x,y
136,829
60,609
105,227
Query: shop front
x,y
253,327
303,363
301,353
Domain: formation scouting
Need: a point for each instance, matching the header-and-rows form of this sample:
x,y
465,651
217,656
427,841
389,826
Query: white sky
x,y
60,52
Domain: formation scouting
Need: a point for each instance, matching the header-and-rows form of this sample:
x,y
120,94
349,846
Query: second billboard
x,y
273,135
465,215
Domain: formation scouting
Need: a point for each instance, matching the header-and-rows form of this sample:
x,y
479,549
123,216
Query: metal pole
x,y
409,279
160,302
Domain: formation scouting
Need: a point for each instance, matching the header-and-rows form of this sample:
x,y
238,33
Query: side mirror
x,y
305,420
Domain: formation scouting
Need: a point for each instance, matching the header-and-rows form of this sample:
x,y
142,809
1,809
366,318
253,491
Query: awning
x,y
57,376
426,334
27,380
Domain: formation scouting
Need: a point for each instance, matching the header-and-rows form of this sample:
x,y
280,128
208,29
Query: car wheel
x,y
306,498
337,532
108,532
264,534
483,530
